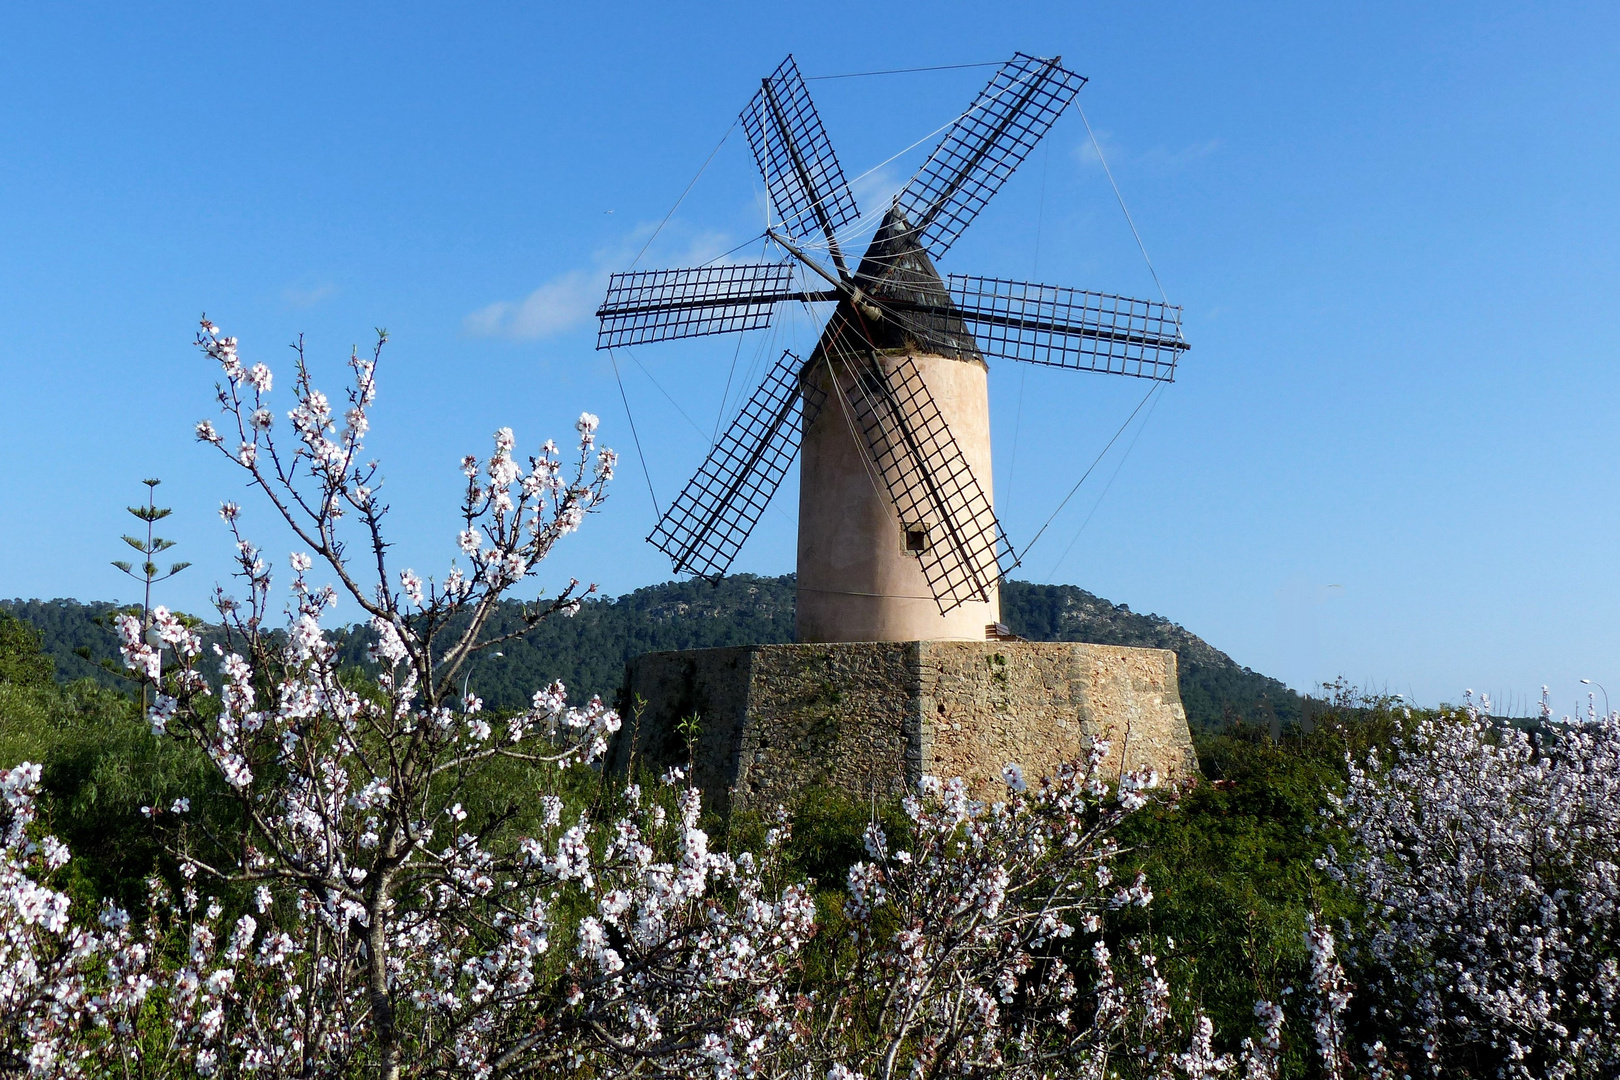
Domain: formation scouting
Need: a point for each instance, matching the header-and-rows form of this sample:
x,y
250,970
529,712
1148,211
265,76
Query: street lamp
x,y
1606,713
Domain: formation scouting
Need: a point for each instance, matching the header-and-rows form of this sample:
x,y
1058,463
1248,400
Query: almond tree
x,y
980,946
1488,865
363,916
42,956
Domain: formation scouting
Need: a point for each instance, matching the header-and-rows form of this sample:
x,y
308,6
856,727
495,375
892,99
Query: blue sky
x,y
1393,228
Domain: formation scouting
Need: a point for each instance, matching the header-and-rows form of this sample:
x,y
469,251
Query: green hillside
x,y
588,651
67,626
1215,689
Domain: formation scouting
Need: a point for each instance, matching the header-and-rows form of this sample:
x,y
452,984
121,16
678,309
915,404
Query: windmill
x,y
898,537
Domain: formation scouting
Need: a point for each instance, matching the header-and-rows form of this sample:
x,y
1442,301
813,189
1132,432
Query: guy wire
x,y
732,251
902,71
1097,146
1104,493
635,437
637,361
682,199
725,395
1088,471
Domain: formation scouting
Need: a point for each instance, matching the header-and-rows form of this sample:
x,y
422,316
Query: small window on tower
x,y
916,539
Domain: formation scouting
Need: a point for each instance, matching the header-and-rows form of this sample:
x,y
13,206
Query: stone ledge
x,y
872,717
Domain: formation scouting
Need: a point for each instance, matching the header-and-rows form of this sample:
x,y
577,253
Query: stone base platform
x,y
873,717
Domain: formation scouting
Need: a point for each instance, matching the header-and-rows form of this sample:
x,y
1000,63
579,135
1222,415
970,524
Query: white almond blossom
x,y
1489,864
393,930
977,944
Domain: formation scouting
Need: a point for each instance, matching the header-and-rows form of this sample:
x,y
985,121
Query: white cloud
x,y
569,300
1158,160
303,298
875,191
1086,152
1175,160
561,304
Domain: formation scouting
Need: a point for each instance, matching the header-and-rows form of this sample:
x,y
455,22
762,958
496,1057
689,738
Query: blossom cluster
x,y
971,937
1487,861
394,923
63,985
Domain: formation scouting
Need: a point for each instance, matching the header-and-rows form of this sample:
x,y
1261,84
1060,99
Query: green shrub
x,y
101,766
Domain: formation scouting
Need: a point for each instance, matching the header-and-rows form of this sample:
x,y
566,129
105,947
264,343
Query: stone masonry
x,y
873,717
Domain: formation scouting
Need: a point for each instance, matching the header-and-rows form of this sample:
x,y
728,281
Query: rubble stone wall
x,y
872,717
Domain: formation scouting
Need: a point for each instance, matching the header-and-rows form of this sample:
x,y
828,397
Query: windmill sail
x,y
708,522
1088,331
802,175
1010,115
657,305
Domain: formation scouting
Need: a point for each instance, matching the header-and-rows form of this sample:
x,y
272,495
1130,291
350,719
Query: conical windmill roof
x,y
897,272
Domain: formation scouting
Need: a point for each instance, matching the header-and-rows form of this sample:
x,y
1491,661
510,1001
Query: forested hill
x,y
67,626
1215,689
588,651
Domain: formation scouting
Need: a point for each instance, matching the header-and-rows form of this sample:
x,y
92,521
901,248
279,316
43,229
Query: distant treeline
x,y
588,651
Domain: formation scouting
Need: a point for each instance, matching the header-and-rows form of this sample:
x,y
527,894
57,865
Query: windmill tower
x,y
898,537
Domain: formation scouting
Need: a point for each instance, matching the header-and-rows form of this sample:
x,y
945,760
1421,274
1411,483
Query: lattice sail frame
x,y
1070,328
928,478
914,453
802,175
709,521
644,306
1011,114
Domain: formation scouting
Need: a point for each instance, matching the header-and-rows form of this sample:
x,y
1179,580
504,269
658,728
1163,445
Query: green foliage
x,y
588,651
1232,862
101,765
23,662
1232,876
689,728
829,833
68,630
829,836
1231,865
